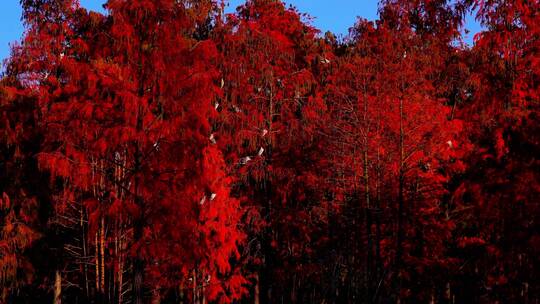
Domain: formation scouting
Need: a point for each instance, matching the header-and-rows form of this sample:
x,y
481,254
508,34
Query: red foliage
x,y
166,151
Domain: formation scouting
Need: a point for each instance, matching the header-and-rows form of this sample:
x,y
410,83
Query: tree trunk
x,y
120,277
203,296
195,294
378,234
400,229
57,288
367,215
257,299
138,269
85,253
102,256
97,260
138,224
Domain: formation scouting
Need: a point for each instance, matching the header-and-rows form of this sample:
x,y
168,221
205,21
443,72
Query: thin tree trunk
x,y
97,259
257,299
195,294
85,253
367,196
120,268
57,288
138,270
203,296
138,221
377,219
138,224
400,232
367,215
102,256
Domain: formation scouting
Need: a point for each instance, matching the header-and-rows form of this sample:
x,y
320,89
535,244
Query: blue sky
x,y
335,15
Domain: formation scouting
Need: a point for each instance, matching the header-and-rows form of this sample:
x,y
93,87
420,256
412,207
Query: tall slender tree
x,y
269,129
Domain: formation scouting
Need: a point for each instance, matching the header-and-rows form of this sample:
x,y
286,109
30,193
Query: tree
x,y
498,235
22,190
396,145
270,132
126,102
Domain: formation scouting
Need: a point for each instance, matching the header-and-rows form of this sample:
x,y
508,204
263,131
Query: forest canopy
x,y
168,152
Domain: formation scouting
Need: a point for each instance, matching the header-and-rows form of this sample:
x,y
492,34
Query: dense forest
x,y
168,152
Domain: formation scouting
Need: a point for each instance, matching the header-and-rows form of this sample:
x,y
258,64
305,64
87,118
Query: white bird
x,y
245,160
222,83
216,105
261,151
202,200
212,138
208,279
212,196
62,55
264,132
325,61
450,144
